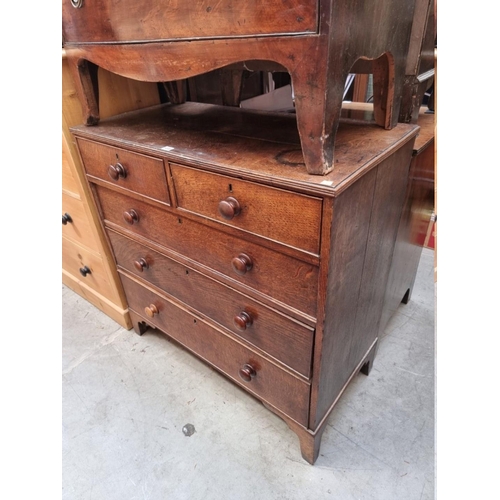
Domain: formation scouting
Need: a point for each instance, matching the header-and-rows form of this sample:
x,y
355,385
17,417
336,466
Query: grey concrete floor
x,y
126,399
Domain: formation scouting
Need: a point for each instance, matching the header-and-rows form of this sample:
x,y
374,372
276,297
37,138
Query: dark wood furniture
x,y
418,209
420,62
227,244
316,41
420,70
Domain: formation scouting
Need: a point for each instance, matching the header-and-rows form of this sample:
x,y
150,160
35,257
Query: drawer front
x,y
274,385
76,260
78,229
279,276
132,171
130,20
276,214
281,337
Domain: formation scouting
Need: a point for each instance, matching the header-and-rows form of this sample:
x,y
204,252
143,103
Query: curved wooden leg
x,y
388,84
318,108
85,78
383,90
231,86
176,91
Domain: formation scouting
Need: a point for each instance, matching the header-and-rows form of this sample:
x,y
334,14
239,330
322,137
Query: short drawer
x,y
86,266
283,216
288,393
135,172
283,338
284,278
75,222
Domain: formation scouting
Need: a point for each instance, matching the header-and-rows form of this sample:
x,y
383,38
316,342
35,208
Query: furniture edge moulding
x,y
318,64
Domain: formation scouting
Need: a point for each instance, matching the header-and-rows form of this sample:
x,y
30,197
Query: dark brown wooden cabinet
x,y
317,42
225,242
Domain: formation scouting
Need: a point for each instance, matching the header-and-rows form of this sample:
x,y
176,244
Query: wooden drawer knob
x,y
131,216
141,264
243,320
242,263
117,171
229,208
66,218
247,372
151,310
84,271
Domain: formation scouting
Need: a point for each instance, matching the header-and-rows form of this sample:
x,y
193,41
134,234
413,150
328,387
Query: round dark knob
x,y
247,372
243,320
117,171
242,263
131,216
66,218
84,271
151,310
141,264
229,208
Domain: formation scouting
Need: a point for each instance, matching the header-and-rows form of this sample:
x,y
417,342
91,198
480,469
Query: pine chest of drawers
x,y
225,243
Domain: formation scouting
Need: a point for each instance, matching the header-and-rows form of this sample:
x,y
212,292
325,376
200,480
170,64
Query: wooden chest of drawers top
x,y
254,146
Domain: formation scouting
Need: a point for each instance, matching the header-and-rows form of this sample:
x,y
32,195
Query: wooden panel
x,y
359,268
76,257
281,389
128,20
415,220
118,94
423,33
388,200
142,174
69,183
283,278
352,212
80,229
276,214
274,333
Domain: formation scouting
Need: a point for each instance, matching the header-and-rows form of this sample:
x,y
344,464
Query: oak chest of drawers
x,y
224,242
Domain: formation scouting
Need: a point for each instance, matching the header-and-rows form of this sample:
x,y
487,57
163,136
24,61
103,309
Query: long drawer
x,y
283,216
278,335
284,278
268,382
